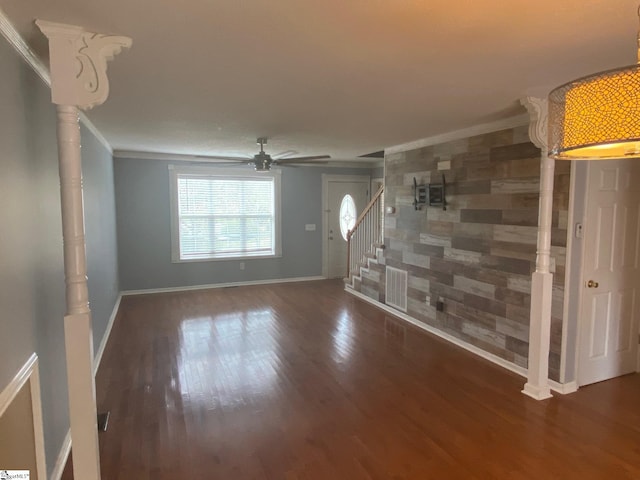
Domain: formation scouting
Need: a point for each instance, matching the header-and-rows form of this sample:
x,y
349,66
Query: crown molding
x,y
96,133
481,129
14,38
18,43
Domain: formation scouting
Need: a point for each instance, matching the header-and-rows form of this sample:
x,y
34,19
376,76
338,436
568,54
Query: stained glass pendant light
x,y
597,117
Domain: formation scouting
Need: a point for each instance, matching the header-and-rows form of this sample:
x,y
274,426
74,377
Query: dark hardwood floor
x,y
303,381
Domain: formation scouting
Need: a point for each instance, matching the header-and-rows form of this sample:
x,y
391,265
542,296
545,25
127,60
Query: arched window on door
x,y
347,215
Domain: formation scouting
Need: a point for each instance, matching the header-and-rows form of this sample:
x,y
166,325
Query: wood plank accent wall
x,y
479,254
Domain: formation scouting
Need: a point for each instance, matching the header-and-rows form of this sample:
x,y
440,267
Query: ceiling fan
x,y
262,161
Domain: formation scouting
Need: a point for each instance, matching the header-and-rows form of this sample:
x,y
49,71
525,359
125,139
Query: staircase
x,y
365,240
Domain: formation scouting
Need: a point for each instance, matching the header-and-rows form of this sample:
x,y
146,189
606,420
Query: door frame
x,y
326,179
573,274
573,308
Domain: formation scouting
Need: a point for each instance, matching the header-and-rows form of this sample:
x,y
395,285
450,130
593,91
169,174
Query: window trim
x,y
226,173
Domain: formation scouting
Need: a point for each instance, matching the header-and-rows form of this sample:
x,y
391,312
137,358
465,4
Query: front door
x,y
352,196
611,277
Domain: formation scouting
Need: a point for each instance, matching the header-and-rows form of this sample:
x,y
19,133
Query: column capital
x,y
78,62
538,115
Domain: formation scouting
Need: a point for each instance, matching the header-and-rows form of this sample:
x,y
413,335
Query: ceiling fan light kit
x,y
597,117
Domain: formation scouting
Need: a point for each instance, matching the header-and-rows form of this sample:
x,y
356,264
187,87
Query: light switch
x,y
310,227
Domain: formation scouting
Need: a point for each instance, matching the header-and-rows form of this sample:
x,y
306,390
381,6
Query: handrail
x,y
367,233
364,213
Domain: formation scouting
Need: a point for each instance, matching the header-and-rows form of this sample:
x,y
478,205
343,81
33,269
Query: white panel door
x,y
337,245
609,312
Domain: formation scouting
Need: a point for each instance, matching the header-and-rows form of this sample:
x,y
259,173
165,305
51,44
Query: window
x,y
347,215
221,213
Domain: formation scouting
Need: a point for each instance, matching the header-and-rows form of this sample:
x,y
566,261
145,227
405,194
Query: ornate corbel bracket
x,y
538,114
78,63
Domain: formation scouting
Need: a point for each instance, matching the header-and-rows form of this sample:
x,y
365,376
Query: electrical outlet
x,y
241,265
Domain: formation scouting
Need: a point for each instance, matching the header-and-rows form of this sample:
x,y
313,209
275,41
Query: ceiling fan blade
x,y
231,164
222,157
311,158
285,154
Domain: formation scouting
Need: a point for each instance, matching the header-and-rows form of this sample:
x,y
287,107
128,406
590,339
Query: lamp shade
x,y
596,117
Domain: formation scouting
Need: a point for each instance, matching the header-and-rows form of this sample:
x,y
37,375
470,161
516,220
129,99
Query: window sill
x,y
226,259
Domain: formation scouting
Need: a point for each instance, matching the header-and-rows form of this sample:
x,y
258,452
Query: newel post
x,y
537,385
78,62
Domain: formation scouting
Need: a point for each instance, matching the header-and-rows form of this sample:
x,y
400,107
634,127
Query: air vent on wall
x,y
396,288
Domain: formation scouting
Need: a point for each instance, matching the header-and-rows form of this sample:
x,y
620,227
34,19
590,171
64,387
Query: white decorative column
x,y
537,385
78,62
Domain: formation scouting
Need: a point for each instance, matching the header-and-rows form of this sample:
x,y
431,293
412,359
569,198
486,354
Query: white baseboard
x,y
221,285
563,388
555,386
105,337
61,461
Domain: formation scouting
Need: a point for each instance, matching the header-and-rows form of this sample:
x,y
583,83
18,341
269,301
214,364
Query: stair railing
x,y
367,233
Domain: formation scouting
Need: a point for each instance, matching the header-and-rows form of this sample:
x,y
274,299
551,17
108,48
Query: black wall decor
x,y
437,194
419,194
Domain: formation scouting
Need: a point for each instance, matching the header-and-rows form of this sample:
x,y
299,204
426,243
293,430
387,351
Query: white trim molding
x,y
220,285
208,172
569,278
484,128
564,388
96,133
18,43
326,179
29,373
107,334
512,367
11,34
63,456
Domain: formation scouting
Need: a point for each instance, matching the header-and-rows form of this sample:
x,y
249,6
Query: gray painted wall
x,y
144,230
31,263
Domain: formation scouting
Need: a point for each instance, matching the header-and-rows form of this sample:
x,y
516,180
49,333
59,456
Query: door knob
x,y
592,284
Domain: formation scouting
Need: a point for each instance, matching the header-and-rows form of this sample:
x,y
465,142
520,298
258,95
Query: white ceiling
x,y
338,77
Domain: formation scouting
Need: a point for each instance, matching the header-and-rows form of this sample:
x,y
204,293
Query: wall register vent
x,y
396,288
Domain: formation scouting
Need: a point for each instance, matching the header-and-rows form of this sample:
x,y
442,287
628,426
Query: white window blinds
x,y
225,216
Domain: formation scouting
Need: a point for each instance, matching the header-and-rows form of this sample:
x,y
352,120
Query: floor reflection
x,y
228,360
343,337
